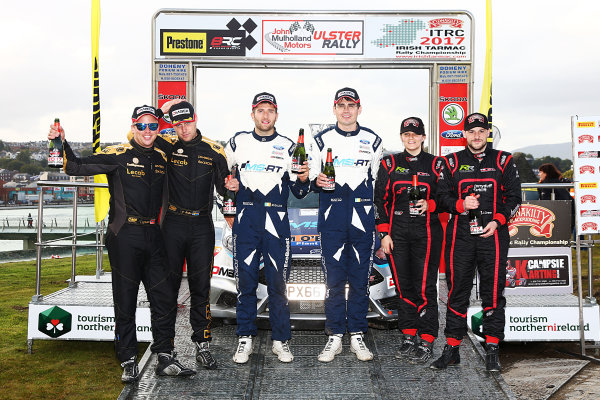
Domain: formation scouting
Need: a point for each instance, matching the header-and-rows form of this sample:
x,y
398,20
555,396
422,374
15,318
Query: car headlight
x,y
228,243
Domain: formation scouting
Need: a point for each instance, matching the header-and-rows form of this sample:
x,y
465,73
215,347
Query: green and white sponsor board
x,y
62,322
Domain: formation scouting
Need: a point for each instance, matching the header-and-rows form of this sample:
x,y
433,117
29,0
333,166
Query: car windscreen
x,y
310,201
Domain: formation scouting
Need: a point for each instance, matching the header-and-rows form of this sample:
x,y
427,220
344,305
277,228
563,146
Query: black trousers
x,y
192,239
466,253
415,261
137,255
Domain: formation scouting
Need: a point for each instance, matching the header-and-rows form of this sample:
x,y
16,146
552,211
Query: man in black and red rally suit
x,y
484,179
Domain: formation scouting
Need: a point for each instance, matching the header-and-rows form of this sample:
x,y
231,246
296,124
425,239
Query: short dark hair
x,y
550,170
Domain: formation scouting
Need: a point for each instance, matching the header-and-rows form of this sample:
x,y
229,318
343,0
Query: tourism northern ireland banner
x,y
586,173
415,37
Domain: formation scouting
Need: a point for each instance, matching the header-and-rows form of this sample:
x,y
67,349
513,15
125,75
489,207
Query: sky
x,y
544,71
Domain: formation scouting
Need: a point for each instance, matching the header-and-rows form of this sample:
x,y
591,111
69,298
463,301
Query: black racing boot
x,y
169,365
131,371
450,356
492,360
423,353
407,348
204,357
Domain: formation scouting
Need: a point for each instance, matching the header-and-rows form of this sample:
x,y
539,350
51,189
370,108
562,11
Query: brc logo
x,y
224,41
589,226
586,169
588,197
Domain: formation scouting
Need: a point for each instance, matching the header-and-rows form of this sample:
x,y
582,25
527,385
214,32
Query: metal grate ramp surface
x,y
264,377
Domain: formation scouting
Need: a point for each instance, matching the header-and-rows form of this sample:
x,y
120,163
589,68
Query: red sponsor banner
x,y
538,218
169,90
453,104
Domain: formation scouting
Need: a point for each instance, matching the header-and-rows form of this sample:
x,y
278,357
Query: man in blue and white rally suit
x,y
347,223
261,230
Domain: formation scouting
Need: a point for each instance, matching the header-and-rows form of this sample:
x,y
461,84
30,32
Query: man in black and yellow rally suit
x,y
196,165
136,174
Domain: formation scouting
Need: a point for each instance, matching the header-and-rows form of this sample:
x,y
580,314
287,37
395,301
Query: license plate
x,y
297,291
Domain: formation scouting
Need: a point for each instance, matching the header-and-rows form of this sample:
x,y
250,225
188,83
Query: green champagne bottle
x,y
299,155
55,149
329,171
414,195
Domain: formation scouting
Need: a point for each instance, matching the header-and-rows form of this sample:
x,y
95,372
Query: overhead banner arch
x,y
441,42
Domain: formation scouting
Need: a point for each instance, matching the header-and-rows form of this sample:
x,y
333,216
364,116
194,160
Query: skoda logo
x,y
179,151
453,114
135,160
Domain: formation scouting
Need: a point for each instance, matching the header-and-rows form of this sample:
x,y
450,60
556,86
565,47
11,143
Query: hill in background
x,y
560,150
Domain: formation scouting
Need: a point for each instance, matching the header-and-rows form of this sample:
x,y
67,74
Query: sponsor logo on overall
x,y
538,218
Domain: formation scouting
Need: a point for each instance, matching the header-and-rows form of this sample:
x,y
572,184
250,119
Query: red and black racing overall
x,y
493,175
417,240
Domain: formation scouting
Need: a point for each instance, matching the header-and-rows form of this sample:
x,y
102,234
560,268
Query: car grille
x,y
306,270
307,307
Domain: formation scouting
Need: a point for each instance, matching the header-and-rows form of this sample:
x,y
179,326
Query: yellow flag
x,y
486,93
101,195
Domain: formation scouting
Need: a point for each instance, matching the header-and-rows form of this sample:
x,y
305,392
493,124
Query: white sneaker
x,y
282,350
244,349
332,348
358,347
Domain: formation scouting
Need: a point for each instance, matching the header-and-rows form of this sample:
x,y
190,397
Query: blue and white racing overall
x,y
261,230
347,223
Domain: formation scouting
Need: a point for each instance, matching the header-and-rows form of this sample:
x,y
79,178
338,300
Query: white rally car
x,y
306,285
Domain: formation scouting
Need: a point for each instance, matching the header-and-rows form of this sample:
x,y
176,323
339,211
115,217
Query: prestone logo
x,y
54,322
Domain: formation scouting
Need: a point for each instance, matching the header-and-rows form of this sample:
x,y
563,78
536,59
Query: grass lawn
x,y
57,369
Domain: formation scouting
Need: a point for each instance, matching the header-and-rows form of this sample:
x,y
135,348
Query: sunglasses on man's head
x,y
142,126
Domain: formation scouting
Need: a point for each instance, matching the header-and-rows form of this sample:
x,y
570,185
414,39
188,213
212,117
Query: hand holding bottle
x,y
471,202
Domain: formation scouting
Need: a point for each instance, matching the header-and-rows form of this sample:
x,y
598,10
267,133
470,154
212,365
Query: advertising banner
x,y
586,172
547,323
81,323
414,37
453,108
541,223
539,271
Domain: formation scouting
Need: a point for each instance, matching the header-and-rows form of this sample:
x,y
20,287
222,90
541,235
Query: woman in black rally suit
x,y
413,241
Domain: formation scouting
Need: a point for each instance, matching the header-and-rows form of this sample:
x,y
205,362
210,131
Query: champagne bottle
x,y
475,222
299,155
414,195
55,149
229,197
329,171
